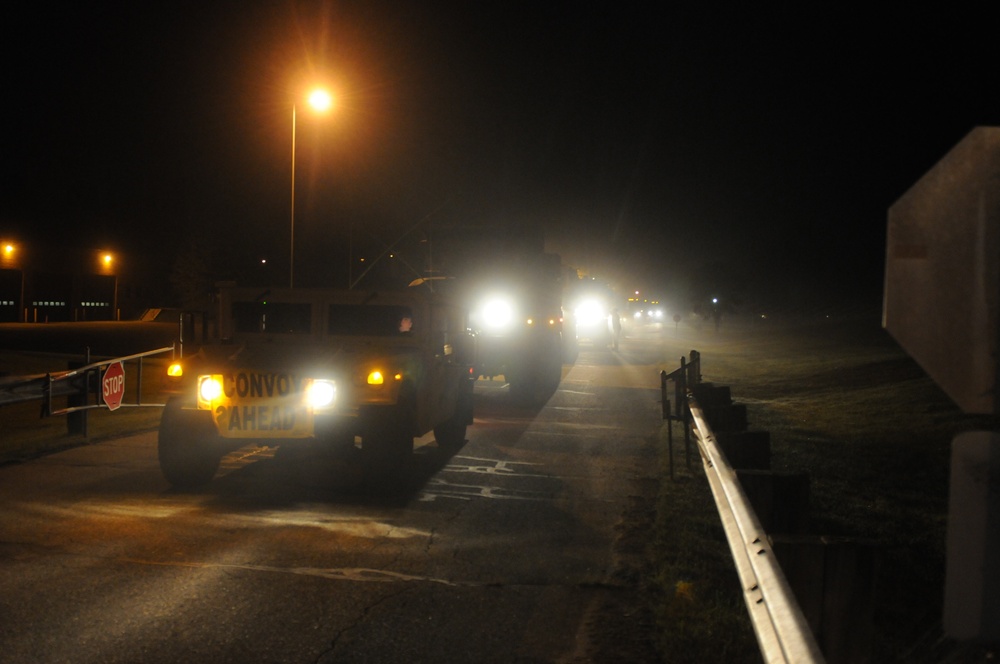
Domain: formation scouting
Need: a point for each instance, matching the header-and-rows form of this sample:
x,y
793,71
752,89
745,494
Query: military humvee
x,y
325,367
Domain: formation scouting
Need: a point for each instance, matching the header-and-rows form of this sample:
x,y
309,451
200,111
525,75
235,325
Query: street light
x,y
320,100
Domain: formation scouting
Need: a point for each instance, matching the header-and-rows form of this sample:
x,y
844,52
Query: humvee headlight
x,y
209,388
175,370
320,394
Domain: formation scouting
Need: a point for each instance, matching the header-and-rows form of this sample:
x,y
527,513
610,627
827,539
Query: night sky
x,y
663,149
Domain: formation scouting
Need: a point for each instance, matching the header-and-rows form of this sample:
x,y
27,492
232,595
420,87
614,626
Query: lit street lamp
x,y
320,100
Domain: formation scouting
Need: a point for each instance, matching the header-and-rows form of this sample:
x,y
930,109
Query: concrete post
x,y
972,575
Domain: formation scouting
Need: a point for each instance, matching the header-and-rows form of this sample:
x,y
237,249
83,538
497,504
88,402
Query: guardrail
x,y
782,631
820,607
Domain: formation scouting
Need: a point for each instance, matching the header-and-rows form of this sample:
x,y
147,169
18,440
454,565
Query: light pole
x,y
7,259
107,261
320,100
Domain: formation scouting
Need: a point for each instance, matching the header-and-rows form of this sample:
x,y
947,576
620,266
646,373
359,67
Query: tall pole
x,y
291,242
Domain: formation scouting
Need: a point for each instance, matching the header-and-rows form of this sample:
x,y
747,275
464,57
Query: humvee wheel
x,y
570,350
450,434
388,445
187,446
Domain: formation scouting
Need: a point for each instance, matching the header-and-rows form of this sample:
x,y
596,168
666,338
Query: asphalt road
x,y
525,546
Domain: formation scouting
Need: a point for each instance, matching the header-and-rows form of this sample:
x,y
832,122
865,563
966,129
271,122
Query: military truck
x,y
594,306
514,293
320,367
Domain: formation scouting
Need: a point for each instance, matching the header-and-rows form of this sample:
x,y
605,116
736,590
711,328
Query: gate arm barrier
x,y
782,631
95,368
18,389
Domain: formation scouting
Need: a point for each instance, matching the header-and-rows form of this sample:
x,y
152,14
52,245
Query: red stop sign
x,y
113,385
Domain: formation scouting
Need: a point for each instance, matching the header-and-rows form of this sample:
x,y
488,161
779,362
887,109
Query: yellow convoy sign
x,y
262,405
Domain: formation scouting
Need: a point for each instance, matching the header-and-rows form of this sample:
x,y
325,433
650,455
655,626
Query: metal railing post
x,y
665,413
138,383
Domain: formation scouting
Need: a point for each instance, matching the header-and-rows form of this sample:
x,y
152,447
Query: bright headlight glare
x,y
209,387
376,378
175,370
590,312
320,394
496,313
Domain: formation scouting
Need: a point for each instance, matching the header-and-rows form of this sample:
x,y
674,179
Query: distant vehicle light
x,y
376,378
320,394
637,315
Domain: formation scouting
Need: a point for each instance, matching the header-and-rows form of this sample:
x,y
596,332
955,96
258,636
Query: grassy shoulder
x,y
845,404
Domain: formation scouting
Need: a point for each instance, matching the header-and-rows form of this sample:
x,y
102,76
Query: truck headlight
x,y
320,394
496,313
590,312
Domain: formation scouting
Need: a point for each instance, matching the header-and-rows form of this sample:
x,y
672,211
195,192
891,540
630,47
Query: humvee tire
x,y
450,434
188,446
388,444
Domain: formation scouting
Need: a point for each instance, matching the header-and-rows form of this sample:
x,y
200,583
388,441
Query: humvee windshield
x,y
272,317
365,320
